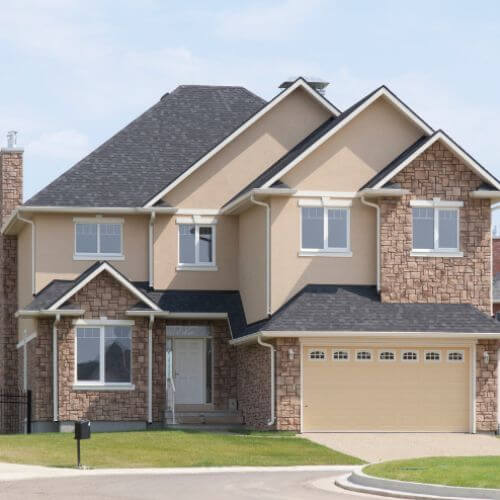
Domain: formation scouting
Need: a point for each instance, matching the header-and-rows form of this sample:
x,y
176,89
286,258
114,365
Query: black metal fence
x,y
15,411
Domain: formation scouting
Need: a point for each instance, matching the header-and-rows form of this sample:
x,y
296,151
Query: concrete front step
x,y
205,418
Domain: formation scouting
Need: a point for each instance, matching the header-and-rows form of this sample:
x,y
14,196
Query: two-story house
x,y
283,264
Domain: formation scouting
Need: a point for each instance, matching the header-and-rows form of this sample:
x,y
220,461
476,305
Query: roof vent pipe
x,y
12,139
316,83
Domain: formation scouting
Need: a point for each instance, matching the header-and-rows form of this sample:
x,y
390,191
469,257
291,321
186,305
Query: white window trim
x,y
197,266
460,351
437,251
326,251
101,384
98,255
433,360
341,360
409,360
387,360
364,360
316,359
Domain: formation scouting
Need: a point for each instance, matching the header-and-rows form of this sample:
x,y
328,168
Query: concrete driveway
x,y
379,447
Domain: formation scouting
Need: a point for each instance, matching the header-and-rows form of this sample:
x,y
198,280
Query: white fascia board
x,y
171,315
22,313
485,195
381,92
441,136
436,203
384,192
257,191
391,335
105,267
270,105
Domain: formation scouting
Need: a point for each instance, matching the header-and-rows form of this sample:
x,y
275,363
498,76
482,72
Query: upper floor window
x,y
196,245
436,227
96,239
103,355
325,229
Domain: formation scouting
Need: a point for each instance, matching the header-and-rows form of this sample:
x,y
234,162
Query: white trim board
x,y
382,92
300,82
450,144
105,267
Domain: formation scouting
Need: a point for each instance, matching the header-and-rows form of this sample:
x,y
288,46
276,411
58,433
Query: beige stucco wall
x,y
24,287
230,170
252,262
290,273
357,152
166,256
55,235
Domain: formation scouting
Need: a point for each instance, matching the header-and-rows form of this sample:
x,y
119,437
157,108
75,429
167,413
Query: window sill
x,y
416,253
305,253
103,387
197,268
98,257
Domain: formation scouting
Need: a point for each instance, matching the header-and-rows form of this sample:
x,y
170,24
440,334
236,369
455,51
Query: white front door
x,y
189,371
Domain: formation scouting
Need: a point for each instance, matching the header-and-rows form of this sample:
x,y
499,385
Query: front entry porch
x,y
191,367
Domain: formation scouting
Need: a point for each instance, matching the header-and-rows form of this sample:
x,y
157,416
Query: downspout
x,y
272,420
268,251
28,221
377,208
55,387
151,248
150,368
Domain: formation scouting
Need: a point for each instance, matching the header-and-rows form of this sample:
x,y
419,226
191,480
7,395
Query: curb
x,y
17,472
361,483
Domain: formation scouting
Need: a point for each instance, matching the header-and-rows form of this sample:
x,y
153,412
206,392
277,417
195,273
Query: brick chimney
x,y
11,193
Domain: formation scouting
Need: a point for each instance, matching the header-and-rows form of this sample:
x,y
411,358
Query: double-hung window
x,y
196,245
324,230
103,356
95,239
436,228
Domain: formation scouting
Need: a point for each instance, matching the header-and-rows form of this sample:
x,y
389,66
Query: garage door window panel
x,y
340,355
409,356
455,356
317,355
432,356
387,356
364,355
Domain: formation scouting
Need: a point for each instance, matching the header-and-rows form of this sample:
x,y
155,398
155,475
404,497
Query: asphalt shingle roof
x,y
358,308
154,149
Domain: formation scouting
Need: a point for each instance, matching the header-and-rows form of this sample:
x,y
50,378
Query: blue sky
x,y
74,72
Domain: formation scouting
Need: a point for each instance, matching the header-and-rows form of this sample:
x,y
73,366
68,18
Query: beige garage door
x,y
386,389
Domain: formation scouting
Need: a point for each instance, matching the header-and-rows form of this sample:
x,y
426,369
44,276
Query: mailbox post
x,y
82,431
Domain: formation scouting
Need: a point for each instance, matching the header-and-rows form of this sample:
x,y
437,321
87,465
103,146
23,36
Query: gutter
x,y
33,259
385,192
377,208
150,368
23,313
172,315
272,420
262,191
268,251
151,247
55,382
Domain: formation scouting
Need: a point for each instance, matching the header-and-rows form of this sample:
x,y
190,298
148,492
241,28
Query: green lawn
x,y
476,472
171,448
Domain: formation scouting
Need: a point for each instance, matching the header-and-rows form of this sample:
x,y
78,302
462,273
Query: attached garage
x,y
387,388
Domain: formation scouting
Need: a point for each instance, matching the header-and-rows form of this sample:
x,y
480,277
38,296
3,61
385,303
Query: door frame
x,y
375,342
170,345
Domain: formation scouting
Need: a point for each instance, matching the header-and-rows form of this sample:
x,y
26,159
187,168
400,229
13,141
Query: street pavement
x,y
220,486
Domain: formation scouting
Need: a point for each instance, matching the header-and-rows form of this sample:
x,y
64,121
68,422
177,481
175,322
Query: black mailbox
x,y
82,429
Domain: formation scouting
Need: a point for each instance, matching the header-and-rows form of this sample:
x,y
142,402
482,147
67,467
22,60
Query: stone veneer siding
x,y
288,384
11,179
436,173
487,386
254,389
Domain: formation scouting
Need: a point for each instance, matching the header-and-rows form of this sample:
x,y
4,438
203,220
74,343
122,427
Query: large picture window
x,y
436,229
98,239
103,355
325,229
196,245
